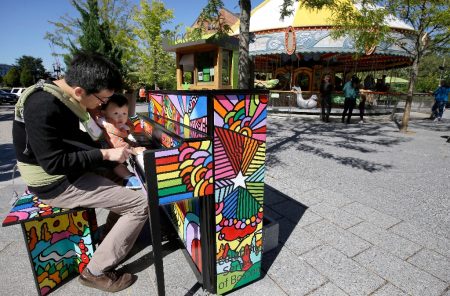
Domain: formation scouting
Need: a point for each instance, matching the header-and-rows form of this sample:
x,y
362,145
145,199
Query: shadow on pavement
x,y
7,162
313,137
6,112
280,208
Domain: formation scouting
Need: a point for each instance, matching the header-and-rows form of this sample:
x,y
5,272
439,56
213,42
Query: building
x,y
299,50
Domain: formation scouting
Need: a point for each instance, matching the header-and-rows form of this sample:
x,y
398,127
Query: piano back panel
x,y
239,155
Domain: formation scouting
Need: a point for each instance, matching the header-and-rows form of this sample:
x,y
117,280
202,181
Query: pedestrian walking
x,y
440,100
326,87
351,92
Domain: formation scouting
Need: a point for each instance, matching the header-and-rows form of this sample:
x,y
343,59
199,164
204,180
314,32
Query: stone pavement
x,y
363,210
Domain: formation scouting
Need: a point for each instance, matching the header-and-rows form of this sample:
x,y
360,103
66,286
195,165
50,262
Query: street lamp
x,y
57,69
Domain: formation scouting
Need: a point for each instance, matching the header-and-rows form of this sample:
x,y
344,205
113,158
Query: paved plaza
x,y
362,209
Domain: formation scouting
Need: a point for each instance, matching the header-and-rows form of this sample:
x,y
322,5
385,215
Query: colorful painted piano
x,y
208,174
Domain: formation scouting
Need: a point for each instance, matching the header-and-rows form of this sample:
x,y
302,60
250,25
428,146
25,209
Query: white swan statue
x,y
302,103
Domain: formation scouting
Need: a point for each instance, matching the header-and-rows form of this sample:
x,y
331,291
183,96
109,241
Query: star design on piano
x,y
239,181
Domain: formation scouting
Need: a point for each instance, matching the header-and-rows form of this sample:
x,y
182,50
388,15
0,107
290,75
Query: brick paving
x,y
363,210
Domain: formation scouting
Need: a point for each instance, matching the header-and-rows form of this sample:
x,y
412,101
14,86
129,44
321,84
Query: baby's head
x,y
116,109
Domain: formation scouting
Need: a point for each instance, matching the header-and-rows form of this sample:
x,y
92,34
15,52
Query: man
x,y
351,92
62,175
440,101
326,88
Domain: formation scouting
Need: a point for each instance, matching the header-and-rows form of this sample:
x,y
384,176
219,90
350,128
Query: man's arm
x,y
47,123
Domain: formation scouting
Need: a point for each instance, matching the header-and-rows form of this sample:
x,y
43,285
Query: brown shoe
x,y
109,281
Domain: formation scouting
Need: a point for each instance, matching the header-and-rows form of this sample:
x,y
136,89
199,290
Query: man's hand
x,y
116,154
138,150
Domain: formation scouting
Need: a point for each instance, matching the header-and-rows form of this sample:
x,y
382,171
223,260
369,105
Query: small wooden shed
x,y
206,63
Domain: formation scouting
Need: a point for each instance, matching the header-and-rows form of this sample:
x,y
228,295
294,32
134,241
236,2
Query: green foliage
x,y
286,8
25,72
31,63
430,72
31,70
210,15
156,67
26,77
96,35
12,77
114,35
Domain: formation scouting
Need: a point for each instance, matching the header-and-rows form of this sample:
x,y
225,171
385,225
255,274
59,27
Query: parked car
x,y
18,90
6,97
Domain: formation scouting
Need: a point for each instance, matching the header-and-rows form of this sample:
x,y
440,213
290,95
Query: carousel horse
x,y
302,103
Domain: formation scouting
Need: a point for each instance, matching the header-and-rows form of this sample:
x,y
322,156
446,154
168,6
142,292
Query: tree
x,y
114,15
157,67
431,70
210,15
244,44
34,68
12,77
26,77
95,34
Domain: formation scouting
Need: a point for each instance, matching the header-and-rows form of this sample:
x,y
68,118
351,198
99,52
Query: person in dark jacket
x,y
351,93
326,87
63,175
440,100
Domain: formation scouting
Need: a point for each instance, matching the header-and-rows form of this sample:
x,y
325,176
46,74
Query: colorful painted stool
x,y
59,241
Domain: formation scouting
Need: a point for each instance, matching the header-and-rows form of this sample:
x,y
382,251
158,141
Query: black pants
x,y
349,104
326,105
362,107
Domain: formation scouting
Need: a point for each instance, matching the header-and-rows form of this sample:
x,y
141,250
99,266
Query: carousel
x,y
299,50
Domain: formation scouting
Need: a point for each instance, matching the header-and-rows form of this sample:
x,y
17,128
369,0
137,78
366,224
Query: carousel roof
x,y
266,16
312,32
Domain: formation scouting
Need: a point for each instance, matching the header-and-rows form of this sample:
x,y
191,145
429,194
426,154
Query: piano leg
x,y
155,229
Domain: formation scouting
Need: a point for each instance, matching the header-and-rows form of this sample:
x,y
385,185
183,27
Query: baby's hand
x,y
138,150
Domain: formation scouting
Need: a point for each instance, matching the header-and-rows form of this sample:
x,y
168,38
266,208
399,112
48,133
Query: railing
x,y
386,102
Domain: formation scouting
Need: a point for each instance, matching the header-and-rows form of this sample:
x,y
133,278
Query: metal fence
x,y
378,102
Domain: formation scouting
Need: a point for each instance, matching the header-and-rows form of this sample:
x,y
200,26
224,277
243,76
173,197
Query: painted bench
x,y
59,241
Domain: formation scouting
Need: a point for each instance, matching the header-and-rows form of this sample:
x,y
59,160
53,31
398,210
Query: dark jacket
x,y
48,122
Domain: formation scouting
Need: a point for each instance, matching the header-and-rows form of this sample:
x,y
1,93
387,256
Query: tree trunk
x,y
409,98
244,41
155,67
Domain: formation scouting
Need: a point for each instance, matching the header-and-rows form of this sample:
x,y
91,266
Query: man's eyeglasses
x,y
103,101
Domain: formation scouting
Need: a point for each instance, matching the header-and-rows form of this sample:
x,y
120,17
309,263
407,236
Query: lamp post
x,y
57,69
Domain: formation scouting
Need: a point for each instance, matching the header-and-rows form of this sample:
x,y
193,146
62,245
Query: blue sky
x,y
25,22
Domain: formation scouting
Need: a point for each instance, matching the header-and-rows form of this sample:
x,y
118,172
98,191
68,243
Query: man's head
x,y
93,78
116,109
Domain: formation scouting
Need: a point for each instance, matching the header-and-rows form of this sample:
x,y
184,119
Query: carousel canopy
x,y
312,29
266,16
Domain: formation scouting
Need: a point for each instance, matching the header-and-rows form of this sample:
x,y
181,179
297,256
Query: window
x,y
227,56
188,77
187,68
205,66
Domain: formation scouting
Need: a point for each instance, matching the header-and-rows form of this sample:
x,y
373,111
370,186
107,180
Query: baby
x,y
114,119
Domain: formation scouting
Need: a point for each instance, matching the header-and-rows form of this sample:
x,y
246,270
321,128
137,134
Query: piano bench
x,y
59,241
